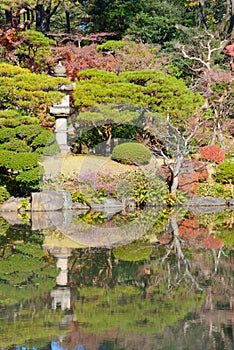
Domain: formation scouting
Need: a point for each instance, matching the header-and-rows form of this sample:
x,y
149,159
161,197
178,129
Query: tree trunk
x,y
68,23
8,17
175,174
39,16
46,22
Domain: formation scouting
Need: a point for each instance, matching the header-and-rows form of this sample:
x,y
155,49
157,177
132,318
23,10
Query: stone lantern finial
x,y
60,70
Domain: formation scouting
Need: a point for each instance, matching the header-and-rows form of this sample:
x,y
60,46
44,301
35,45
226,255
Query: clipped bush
x,y
16,145
6,134
30,178
225,173
131,153
45,137
111,45
213,153
28,132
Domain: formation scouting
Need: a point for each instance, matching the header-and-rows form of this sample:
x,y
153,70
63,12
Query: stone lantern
x,y
62,110
60,70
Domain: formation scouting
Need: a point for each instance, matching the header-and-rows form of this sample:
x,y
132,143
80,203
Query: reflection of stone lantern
x,y
61,295
62,110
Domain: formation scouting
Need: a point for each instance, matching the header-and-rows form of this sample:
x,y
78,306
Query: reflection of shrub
x,y
212,152
133,252
226,236
214,189
225,173
4,194
131,153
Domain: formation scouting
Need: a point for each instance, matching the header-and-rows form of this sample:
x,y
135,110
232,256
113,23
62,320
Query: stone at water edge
x,y
11,205
206,201
50,200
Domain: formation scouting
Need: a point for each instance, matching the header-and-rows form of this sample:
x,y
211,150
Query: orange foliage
x,y
213,153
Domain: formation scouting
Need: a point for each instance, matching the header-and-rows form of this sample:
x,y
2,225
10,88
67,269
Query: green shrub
x,y
225,173
16,145
111,45
18,161
6,134
45,137
131,153
140,187
30,178
4,194
28,132
214,189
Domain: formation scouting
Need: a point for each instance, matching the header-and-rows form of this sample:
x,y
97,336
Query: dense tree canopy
x,y
150,89
25,98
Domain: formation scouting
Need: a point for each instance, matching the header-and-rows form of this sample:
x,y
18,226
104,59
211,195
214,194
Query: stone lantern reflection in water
x,y
61,294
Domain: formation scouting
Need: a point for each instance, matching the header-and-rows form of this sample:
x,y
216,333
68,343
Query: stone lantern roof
x,y
59,70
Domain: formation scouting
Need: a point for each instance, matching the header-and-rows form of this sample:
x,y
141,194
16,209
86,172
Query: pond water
x,y
145,280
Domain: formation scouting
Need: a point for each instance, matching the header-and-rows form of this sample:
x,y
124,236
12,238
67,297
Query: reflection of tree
x,y
27,273
31,324
183,271
23,265
125,308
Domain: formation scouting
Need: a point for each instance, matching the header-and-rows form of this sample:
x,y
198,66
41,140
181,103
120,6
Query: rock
x,y
12,218
79,206
205,209
67,199
109,205
206,201
12,204
50,200
50,220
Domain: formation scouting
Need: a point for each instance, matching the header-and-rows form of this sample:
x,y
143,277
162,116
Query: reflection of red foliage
x,y
212,243
213,153
190,230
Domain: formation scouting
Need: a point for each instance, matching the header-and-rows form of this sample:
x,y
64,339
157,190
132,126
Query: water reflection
x,y
171,289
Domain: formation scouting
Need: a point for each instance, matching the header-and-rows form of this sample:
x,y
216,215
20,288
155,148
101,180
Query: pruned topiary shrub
x,y
131,153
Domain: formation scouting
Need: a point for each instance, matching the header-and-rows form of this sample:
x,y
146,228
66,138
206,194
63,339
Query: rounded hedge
x,y
131,153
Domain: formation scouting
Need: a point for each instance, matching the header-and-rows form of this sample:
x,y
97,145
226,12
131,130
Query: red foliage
x,y
212,152
192,172
212,243
229,50
76,59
